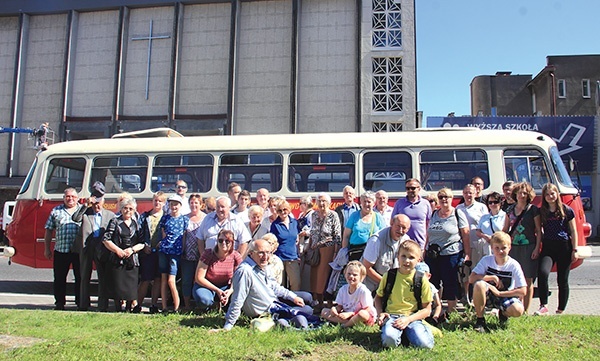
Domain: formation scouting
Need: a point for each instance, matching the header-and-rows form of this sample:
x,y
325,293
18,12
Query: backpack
x,y
389,285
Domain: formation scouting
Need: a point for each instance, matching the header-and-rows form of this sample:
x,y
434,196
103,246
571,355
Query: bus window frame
x,y
456,183
29,177
332,167
562,173
48,170
116,171
274,169
193,183
536,186
402,181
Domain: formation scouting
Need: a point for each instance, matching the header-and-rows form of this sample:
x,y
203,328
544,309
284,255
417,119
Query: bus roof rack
x,y
150,133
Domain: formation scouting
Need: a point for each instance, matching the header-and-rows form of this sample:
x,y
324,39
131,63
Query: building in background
x,y
93,69
567,85
562,101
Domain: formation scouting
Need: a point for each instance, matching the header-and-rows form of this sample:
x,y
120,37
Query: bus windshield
x,y
562,175
27,181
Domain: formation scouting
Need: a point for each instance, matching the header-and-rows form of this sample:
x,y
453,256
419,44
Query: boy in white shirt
x,y
498,279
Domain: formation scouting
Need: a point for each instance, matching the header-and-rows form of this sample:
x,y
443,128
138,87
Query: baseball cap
x,y
175,198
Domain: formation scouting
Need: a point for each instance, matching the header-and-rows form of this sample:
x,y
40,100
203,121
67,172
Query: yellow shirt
x,y
402,300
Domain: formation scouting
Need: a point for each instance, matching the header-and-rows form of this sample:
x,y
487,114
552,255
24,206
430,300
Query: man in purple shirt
x,y
417,209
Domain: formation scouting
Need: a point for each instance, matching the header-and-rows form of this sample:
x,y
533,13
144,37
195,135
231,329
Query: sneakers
x,y
137,309
541,312
480,326
153,309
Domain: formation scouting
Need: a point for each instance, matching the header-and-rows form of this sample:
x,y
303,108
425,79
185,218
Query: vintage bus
x,y
288,165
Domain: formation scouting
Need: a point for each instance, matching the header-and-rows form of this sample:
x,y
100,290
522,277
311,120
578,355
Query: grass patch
x,y
101,336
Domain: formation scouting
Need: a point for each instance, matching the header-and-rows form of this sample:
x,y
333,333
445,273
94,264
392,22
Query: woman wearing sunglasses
x,y
215,271
446,245
488,224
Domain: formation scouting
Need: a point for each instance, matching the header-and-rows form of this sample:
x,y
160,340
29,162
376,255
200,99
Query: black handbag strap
x,y
518,220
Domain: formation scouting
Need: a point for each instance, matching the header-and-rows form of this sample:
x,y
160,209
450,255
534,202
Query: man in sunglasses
x,y
416,208
181,189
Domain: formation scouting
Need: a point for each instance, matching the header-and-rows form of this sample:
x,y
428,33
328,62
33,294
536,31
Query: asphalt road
x,y
25,287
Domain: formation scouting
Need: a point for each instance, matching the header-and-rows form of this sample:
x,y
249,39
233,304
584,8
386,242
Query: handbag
x,y
312,257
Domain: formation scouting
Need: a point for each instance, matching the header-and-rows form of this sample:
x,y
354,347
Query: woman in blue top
x,y
285,228
361,226
173,226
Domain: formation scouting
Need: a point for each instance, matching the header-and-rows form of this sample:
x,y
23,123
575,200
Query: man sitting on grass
x,y
498,280
255,291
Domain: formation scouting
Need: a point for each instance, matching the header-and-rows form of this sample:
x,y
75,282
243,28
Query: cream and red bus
x,y
287,165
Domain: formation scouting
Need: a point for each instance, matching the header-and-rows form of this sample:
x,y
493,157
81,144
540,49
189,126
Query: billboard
x,y
574,135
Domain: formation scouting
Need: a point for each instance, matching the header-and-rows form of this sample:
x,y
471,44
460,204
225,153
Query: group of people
x,y
254,258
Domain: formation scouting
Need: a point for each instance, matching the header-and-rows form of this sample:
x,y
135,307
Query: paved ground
x,y
25,288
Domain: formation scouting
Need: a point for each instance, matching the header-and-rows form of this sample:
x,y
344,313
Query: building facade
x,y
567,85
93,69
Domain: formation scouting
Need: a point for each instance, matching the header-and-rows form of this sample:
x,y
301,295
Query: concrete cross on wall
x,y
149,38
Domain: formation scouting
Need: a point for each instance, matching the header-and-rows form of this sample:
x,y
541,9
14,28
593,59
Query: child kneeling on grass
x,y
406,309
354,300
499,281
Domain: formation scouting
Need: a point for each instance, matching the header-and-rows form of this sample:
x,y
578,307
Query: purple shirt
x,y
419,214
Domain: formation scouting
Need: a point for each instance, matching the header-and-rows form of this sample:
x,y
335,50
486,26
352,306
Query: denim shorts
x,y
168,263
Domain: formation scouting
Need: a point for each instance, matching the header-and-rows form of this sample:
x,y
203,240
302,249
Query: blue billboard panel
x,y
574,135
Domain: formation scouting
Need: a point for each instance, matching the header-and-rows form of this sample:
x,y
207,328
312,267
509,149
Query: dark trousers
x,y
86,260
61,264
105,284
559,253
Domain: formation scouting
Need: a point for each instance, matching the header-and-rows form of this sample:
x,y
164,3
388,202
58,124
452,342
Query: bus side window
x,y
386,170
321,171
452,168
195,169
63,173
120,173
251,171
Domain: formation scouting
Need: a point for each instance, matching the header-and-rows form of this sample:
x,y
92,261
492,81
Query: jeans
x,y
417,333
204,297
188,273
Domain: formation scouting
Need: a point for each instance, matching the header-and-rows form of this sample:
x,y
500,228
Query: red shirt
x,y
220,272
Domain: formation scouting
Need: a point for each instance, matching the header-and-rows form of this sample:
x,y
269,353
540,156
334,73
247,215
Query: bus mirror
x,y
571,164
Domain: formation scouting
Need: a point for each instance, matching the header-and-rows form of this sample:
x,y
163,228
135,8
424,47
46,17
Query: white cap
x,y
175,198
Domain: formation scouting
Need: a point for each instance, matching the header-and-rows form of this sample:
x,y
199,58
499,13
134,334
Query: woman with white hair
x,y
123,240
255,226
325,235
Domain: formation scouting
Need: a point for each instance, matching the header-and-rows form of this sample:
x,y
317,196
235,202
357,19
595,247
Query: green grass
x,y
100,336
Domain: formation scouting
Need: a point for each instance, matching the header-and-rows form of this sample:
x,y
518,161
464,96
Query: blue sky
x,y
459,40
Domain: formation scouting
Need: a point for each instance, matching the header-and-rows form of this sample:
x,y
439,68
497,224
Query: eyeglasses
x,y
442,197
209,209
411,188
263,253
493,202
128,209
181,187
283,210
225,240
